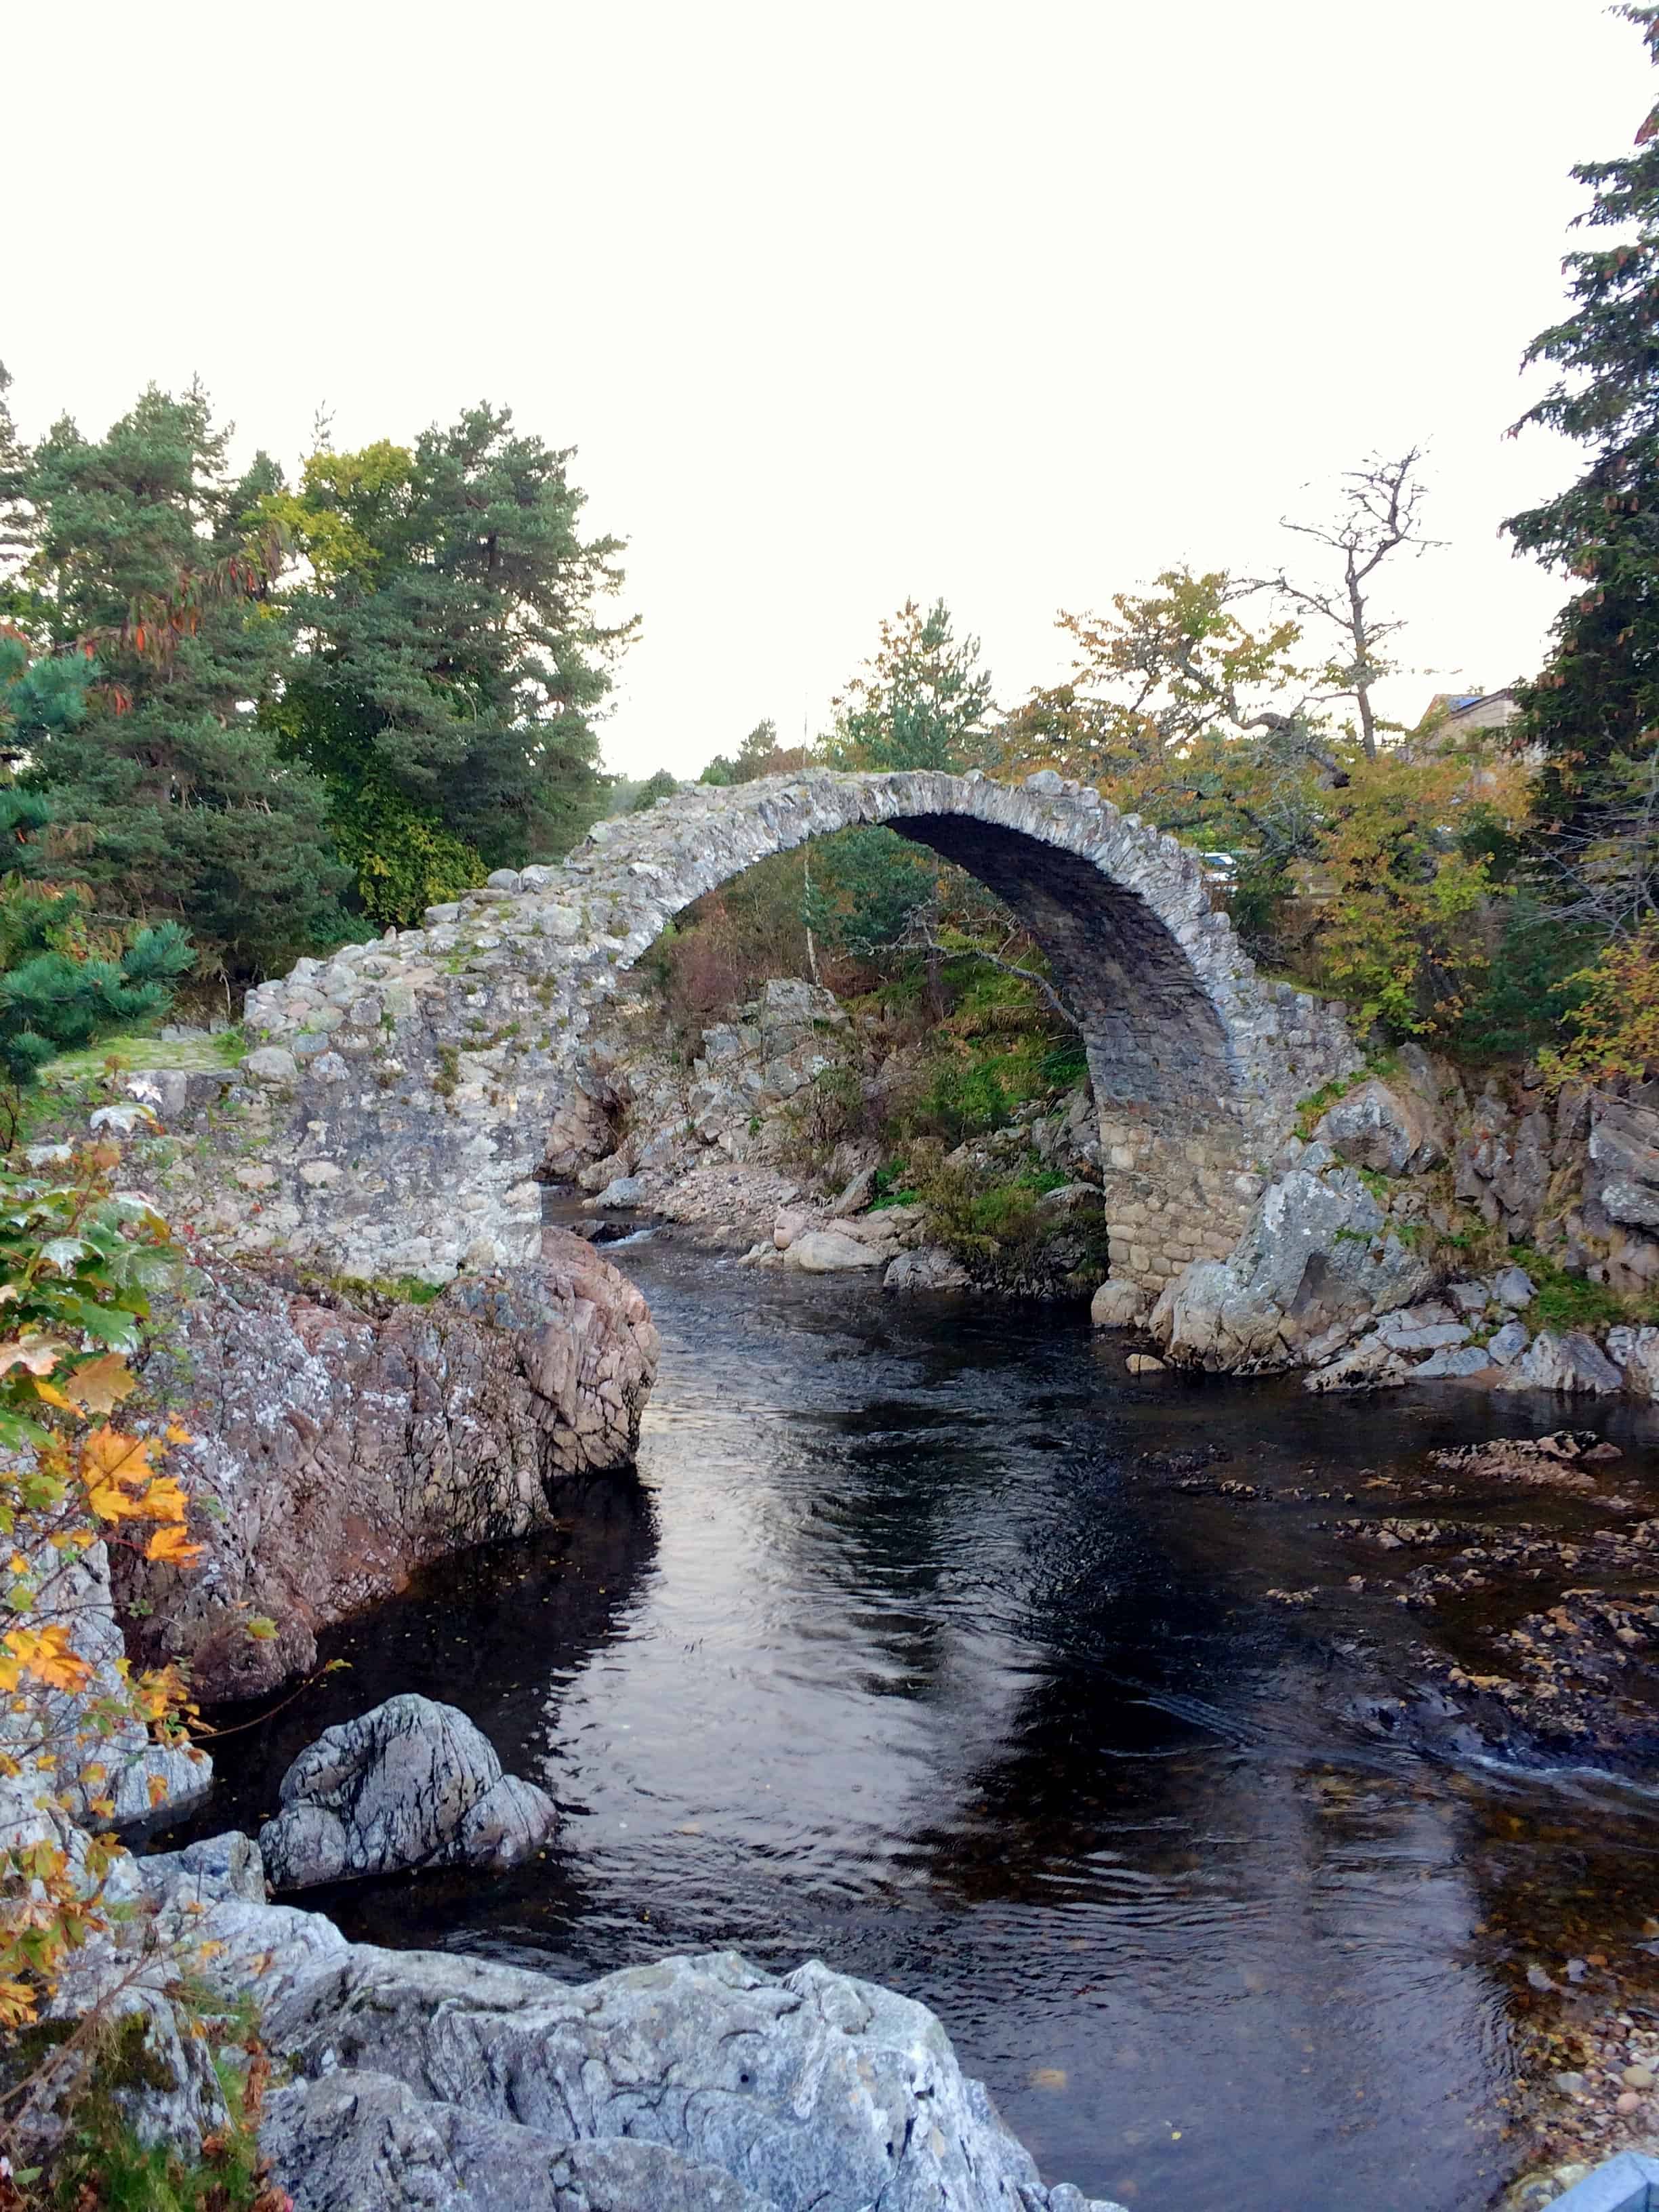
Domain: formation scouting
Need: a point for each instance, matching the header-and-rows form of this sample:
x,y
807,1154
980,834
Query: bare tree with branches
x,y
1379,515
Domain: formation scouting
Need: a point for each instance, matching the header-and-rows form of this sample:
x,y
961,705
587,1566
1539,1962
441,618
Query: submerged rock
x,y
411,1783
929,1268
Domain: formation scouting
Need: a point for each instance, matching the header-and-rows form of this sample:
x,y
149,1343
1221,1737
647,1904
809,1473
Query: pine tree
x,y
919,703
172,792
63,982
1595,710
453,659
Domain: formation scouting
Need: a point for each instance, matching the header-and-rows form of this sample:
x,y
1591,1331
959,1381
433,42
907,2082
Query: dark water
x,y
903,1657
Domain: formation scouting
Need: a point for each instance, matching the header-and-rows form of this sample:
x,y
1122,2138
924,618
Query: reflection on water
x,y
902,1658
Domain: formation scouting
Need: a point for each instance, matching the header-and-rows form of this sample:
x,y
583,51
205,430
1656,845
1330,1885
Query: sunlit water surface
x,y
902,1657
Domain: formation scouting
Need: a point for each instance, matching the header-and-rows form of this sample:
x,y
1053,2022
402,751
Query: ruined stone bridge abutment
x,y
414,1081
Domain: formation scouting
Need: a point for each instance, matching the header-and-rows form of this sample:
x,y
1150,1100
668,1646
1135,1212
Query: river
x,y
910,1651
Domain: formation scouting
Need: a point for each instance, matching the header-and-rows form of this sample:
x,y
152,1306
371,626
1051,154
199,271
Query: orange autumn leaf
x,y
44,1653
102,1384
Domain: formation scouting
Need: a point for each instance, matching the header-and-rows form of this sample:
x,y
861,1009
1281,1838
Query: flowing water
x,y
911,1653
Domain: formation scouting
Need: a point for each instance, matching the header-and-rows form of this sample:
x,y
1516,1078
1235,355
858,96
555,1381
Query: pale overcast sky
x,y
1014,305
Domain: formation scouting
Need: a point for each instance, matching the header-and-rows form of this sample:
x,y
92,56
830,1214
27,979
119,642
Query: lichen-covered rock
x,y
1387,1127
451,2084
1317,1249
1636,1352
1574,1362
336,1450
365,2142
810,2090
930,1268
411,1783
114,1766
205,1873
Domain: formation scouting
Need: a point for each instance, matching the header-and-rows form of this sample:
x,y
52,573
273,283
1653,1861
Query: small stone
x,y
1142,1363
1637,2077
1626,2103
256,1178
1514,1288
272,1063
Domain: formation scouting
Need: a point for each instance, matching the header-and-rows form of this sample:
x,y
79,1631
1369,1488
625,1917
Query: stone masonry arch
x,y
414,1082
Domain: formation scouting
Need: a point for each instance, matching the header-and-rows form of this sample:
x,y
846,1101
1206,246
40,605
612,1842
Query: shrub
x,y
76,1259
1615,1022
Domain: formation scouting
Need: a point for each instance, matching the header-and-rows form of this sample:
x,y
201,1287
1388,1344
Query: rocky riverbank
x,y
406,2079
1426,1229
340,1440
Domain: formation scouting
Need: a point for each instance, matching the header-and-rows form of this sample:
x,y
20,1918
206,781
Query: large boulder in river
x,y
450,2083
700,2082
340,1446
412,1784
828,1251
1317,1253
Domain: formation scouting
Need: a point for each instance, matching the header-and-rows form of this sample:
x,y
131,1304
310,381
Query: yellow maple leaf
x,y
165,1500
172,1544
45,1653
122,1458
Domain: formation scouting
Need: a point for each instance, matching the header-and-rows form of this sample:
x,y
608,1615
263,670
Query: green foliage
x,y
760,754
1569,1302
1595,710
1530,988
997,1226
862,889
104,2163
1614,1014
61,982
921,702
451,659
169,792
659,785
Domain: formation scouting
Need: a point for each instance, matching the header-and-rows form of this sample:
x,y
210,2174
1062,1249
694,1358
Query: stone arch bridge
x,y
413,1083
